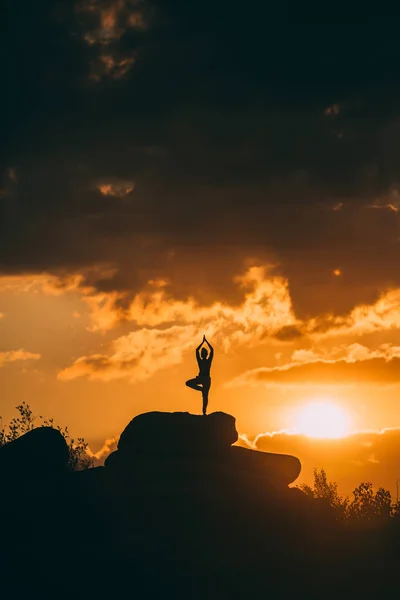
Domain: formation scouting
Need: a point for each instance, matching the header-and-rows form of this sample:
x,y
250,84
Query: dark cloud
x,y
289,333
219,118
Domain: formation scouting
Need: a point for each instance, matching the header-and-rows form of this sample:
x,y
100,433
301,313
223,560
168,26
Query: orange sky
x,y
93,363
173,169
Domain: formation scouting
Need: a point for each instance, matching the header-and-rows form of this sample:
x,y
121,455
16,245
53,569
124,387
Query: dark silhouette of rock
x,y
41,451
176,441
179,511
156,433
35,487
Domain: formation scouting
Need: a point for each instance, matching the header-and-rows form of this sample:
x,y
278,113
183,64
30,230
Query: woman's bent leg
x,y
194,384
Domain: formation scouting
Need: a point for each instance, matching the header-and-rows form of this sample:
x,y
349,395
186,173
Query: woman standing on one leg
x,y
202,382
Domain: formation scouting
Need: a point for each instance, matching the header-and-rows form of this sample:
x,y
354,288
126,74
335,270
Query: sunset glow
x,y
167,174
323,420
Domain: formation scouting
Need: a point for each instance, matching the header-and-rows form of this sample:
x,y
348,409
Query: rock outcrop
x,y
40,452
282,469
178,511
170,441
178,433
176,503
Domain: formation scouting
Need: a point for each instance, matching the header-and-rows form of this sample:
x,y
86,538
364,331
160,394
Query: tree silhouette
x,y
367,505
327,491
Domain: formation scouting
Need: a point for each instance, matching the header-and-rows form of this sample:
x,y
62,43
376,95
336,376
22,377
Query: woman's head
x,y
204,353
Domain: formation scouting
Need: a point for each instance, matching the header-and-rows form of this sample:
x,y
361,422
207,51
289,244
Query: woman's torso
x,y
204,368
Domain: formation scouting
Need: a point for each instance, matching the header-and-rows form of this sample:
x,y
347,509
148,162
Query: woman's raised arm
x,y
198,348
211,349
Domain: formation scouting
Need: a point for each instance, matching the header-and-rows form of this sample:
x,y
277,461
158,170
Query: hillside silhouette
x,y
179,511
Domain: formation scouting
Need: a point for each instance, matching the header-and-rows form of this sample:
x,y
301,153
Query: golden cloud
x,y
383,315
117,189
15,355
104,312
136,356
109,446
265,313
380,366
362,456
266,309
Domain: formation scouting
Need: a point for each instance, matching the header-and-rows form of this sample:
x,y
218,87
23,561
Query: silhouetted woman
x,y
202,382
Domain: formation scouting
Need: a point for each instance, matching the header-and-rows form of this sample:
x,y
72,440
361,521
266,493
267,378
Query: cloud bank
x,y
363,456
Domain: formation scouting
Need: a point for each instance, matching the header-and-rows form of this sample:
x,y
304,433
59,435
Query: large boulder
x,y
41,451
159,446
158,433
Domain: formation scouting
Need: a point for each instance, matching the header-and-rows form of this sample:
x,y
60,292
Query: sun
x,y
322,419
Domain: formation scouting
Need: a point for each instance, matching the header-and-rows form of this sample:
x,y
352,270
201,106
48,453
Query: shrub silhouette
x,y
370,505
327,491
367,505
78,458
